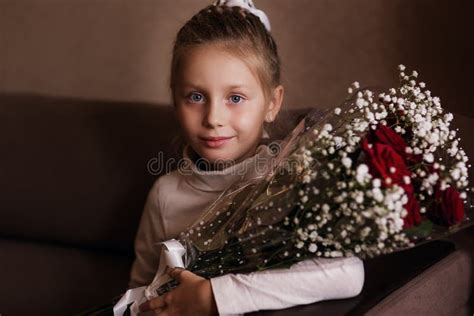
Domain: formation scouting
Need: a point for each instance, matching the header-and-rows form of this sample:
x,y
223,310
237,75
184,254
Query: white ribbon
x,y
247,4
170,257
135,296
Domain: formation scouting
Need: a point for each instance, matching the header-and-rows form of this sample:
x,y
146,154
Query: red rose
x,y
385,135
448,208
413,216
385,163
381,159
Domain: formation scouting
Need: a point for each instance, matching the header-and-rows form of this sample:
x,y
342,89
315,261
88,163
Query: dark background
x,y
120,50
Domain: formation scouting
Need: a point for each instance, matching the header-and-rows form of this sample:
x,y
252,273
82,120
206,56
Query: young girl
x,y
225,82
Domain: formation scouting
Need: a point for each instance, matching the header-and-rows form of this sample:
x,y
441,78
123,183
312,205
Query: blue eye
x,y
236,98
196,99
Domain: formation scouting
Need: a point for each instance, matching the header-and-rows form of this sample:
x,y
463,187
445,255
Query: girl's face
x,y
220,105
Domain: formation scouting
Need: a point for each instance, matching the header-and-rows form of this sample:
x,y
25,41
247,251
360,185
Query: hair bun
x,y
248,5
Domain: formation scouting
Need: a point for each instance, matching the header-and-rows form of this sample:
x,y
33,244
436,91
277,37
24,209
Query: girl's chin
x,y
214,156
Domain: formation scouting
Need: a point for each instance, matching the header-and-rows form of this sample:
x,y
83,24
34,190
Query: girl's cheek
x,y
189,111
188,121
247,121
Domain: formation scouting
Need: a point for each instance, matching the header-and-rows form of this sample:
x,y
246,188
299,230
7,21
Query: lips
x,y
215,142
216,138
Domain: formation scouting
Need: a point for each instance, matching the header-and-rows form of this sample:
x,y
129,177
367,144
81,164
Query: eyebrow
x,y
191,85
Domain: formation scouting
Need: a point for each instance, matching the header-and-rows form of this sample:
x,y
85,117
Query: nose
x,y
215,115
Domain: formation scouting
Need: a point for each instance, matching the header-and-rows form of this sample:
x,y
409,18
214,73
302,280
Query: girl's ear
x,y
275,104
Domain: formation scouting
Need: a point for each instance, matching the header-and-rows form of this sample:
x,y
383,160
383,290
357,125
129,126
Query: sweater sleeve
x,y
147,251
305,282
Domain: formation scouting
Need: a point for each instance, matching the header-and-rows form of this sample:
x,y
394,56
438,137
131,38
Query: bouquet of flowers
x,y
368,178
381,173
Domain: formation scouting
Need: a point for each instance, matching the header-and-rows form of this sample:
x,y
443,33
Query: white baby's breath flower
x,y
327,127
361,173
359,197
312,247
428,157
347,162
306,178
360,102
406,179
377,194
376,183
456,173
365,231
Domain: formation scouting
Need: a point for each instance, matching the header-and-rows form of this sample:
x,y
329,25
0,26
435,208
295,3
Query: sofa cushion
x,y
42,279
75,171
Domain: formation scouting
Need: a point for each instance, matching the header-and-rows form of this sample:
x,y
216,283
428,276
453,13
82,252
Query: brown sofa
x,y
74,178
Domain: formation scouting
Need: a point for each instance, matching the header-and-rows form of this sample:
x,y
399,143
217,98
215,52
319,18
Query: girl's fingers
x,y
158,311
164,312
157,302
175,273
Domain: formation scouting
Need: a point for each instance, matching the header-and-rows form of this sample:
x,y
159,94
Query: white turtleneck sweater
x,y
178,198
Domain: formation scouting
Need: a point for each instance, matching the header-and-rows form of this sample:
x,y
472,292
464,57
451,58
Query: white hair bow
x,y
246,4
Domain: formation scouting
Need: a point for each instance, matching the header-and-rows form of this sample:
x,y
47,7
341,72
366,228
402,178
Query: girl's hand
x,y
193,296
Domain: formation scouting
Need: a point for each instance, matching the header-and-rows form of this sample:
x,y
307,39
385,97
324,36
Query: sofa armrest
x,y
442,289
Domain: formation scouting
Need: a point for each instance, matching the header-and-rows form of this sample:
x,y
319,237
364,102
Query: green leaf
x,y
421,231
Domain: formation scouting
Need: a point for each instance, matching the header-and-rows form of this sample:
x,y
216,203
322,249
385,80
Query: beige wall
x,y
120,49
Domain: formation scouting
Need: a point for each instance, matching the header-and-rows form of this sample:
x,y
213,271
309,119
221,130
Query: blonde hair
x,y
237,31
